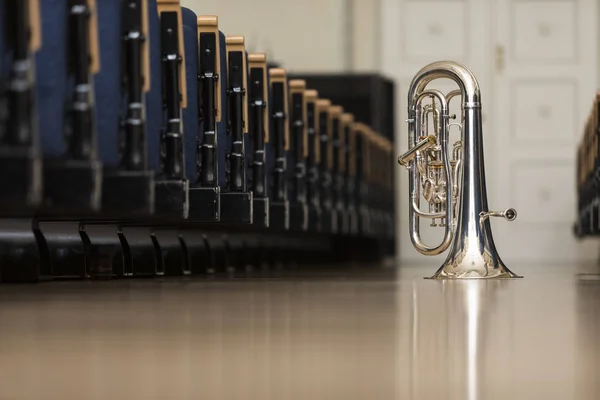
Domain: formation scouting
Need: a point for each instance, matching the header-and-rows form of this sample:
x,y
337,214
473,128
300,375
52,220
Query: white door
x,y
536,62
545,76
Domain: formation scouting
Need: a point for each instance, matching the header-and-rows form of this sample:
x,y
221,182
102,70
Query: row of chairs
x,y
134,131
588,175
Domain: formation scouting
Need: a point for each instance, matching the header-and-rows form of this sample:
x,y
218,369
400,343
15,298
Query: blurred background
x,y
538,65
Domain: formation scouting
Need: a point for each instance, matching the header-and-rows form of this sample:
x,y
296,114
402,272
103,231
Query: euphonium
x,y
454,189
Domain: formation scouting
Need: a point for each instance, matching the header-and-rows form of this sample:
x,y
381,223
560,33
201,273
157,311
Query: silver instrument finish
x,y
454,189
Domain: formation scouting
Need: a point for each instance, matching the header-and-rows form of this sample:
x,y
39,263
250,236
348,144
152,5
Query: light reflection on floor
x,y
341,334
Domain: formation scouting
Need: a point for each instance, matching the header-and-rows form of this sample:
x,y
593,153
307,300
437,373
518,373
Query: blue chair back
x,y
108,83
2,45
154,107
249,139
248,142
270,156
269,159
222,126
191,129
51,77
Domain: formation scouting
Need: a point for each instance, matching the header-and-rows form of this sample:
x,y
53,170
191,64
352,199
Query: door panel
x,y
544,85
536,62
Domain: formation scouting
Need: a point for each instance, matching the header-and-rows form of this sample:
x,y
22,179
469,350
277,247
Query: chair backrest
x,y
298,145
2,48
190,113
248,142
257,72
154,96
51,76
108,82
222,124
270,156
4,72
237,76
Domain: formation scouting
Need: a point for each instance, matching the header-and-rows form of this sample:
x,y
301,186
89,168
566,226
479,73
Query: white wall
x,y
306,35
365,24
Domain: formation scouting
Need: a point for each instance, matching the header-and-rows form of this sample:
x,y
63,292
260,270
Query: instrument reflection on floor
x,y
150,143
455,190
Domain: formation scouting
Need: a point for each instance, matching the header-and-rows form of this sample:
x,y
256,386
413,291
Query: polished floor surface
x,y
347,334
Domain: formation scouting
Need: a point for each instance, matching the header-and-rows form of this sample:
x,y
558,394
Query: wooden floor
x,y
338,334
